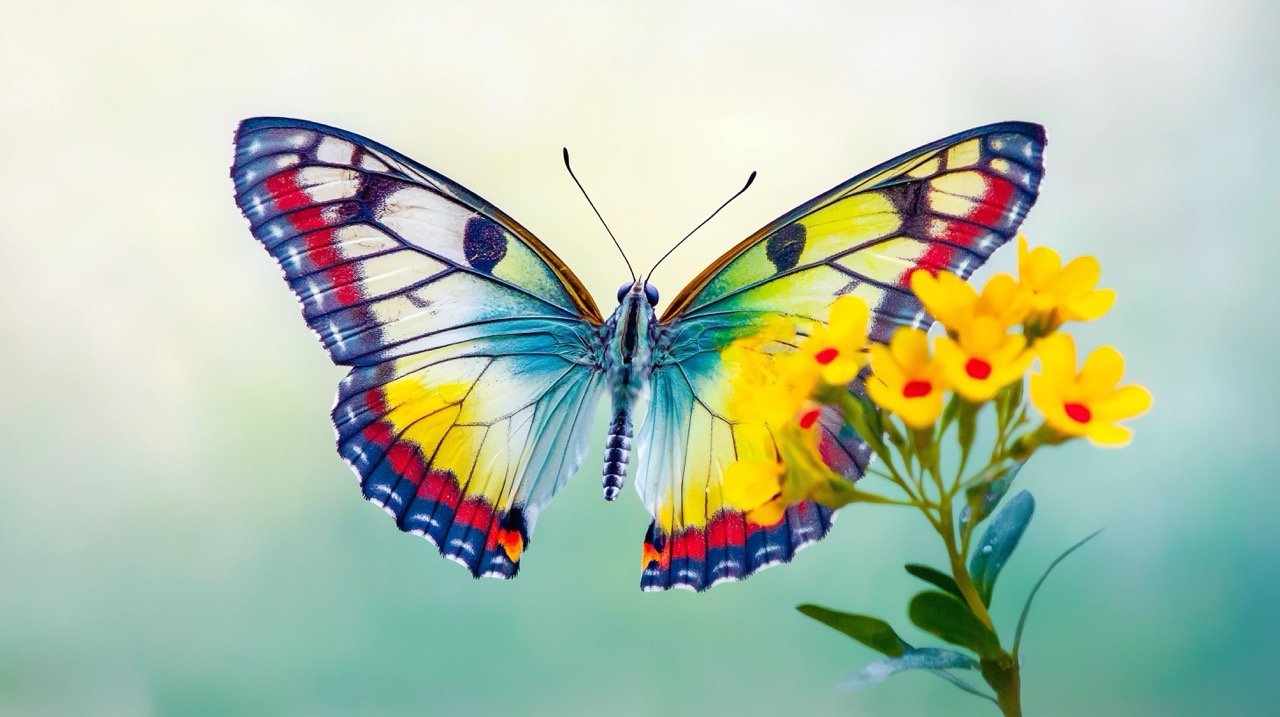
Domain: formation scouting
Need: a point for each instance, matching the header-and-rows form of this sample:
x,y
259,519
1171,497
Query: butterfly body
x,y
477,359
630,337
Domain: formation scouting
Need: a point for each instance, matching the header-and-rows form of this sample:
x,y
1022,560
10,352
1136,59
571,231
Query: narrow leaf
x,y
870,631
1013,397
936,578
943,616
998,542
1022,620
963,685
920,658
982,498
871,411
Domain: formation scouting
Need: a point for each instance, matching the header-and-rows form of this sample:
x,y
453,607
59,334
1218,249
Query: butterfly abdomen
x,y
617,454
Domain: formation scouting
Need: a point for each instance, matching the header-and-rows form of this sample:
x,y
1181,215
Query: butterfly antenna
x,y
597,211
746,186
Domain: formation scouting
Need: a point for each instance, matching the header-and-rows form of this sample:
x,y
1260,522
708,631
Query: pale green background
x,y
177,535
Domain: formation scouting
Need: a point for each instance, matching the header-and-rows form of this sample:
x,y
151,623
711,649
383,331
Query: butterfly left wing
x,y
474,350
947,205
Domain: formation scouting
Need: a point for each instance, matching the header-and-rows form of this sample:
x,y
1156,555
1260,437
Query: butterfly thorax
x,y
629,337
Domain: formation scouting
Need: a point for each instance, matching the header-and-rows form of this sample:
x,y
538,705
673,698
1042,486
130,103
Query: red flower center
x,y
916,389
977,368
826,356
809,417
1077,412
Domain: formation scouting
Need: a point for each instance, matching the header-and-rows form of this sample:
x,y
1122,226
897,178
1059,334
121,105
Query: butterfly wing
x,y
945,206
474,351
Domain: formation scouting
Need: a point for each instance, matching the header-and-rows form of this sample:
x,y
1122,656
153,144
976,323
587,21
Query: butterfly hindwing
x,y
473,348
696,539
945,206
465,448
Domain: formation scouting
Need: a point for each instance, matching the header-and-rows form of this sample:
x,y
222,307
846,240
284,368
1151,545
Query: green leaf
x,y
861,414
936,578
1026,608
982,498
920,658
998,542
870,631
871,411
942,615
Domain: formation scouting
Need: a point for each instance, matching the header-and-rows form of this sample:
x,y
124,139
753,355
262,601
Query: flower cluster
x,y
794,383
776,386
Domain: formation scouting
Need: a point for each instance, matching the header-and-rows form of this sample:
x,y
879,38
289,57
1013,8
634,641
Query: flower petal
x,y
1090,306
946,297
921,412
1037,267
1109,434
840,372
1100,373
1129,401
884,396
770,513
849,314
1077,278
910,348
1057,354
884,366
982,336
749,484
1046,398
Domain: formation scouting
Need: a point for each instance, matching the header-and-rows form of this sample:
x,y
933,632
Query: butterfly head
x,y
649,290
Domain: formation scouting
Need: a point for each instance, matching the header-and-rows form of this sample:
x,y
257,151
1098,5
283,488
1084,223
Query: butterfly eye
x,y
651,293
622,291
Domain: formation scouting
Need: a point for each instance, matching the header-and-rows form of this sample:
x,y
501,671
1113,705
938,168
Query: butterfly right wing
x,y
944,206
475,352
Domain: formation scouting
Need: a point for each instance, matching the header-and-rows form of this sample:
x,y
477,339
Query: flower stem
x,y
961,573
1001,670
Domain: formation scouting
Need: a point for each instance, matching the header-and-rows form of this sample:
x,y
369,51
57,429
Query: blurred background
x,y
178,536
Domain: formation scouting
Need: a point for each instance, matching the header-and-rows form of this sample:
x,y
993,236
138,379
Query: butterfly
x,y
478,359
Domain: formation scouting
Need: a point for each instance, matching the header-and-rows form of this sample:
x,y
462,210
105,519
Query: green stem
x,y
961,573
1002,674
1000,671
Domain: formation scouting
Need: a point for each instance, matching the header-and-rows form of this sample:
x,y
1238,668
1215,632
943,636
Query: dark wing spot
x,y
416,300
784,246
483,243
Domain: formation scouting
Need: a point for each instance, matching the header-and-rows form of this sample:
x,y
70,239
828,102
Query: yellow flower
x,y
910,383
955,303
767,383
755,487
984,359
947,297
1060,293
1003,300
837,347
1087,403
